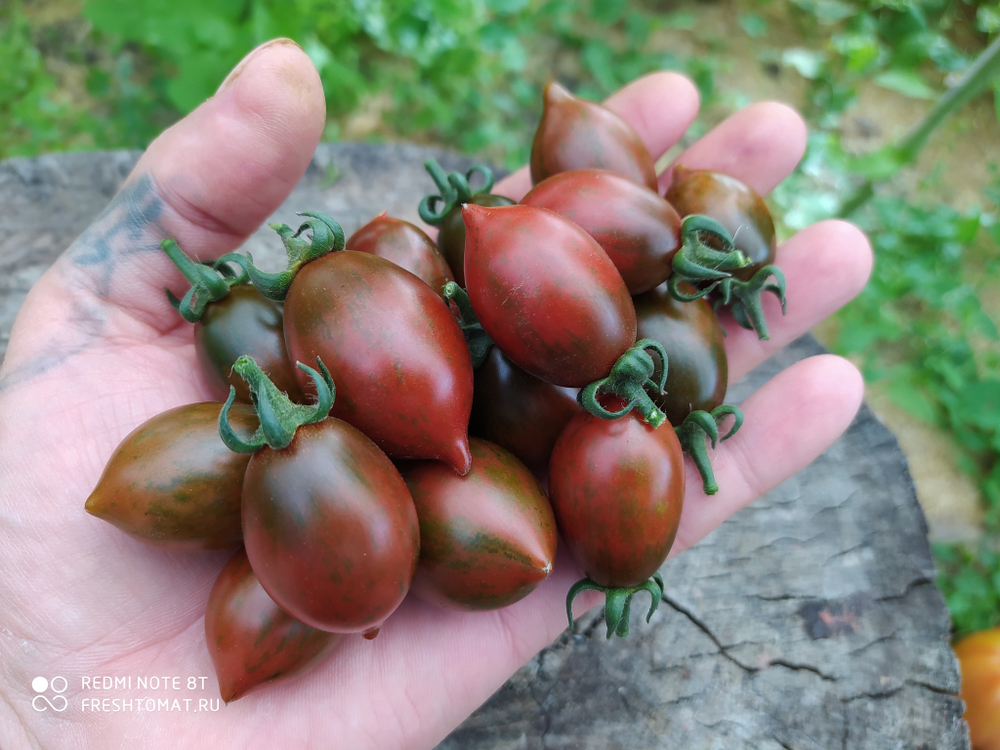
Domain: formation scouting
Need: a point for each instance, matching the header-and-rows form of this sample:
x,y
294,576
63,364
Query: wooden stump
x,y
808,620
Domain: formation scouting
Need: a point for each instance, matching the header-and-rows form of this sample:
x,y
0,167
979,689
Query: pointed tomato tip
x,y
460,457
555,91
93,505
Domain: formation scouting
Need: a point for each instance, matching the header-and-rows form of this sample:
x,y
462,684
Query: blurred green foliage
x,y
469,74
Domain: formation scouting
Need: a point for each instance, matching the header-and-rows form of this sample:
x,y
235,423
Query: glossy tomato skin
x,y
636,227
486,539
172,482
546,293
617,489
244,322
698,369
406,245
733,204
519,412
330,528
251,640
578,134
451,234
979,659
395,350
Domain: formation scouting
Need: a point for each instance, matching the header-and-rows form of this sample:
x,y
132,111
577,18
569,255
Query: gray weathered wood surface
x,y
808,620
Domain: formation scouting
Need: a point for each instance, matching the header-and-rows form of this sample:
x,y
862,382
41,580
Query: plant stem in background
x,y
973,81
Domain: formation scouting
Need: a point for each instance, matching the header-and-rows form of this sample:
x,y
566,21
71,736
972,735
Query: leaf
x,y
906,82
753,25
807,63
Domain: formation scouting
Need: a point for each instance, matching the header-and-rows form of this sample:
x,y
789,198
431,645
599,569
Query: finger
x,y
208,181
825,266
660,106
790,421
759,145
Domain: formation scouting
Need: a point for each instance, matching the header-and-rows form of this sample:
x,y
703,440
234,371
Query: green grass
x,y
469,74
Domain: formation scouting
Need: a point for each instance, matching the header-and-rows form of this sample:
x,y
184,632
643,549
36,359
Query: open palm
x,y
96,350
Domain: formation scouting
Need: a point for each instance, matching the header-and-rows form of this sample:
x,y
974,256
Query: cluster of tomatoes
x,y
539,370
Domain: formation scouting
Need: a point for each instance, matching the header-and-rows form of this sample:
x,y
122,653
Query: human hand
x,y
96,350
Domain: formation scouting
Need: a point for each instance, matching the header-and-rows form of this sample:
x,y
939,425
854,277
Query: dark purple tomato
x,y
330,528
519,412
697,371
578,134
617,489
395,350
406,245
251,640
486,539
451,235
244,322
546,293
174,484
733,204
637,228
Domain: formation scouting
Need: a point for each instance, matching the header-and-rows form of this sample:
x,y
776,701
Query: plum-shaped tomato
x,y
637,228
546,293
617,489
251,640
328,523
745,217
519,412
578,134
486,539
406,245
172,483
394,348
232,318
444,210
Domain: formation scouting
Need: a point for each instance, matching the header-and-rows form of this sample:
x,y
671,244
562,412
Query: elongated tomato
x,y
546,293
395,351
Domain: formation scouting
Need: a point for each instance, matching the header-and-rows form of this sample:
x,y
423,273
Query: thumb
x,y
208,181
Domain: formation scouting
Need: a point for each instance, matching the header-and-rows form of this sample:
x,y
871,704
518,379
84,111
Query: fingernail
x,y
235,72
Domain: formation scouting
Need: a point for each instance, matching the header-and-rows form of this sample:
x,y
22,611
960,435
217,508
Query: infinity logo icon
x,y
58,702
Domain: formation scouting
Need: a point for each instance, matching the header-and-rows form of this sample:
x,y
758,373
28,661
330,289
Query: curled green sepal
x,y
279,416
744,298
617,602
476,338
326,236
629,377
453,190
208,283
694,430
697,261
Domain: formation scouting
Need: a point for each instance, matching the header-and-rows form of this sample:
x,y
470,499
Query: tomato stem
x,y
327,236
453,190
617,602
210,280
694,430
629,377
744,298
476,338
279,416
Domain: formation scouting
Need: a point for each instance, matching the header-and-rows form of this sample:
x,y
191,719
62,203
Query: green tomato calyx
x,y
699,426
210,280
631,375
279,416
744,298
697,261
453,190
617,602
476,338
326,236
